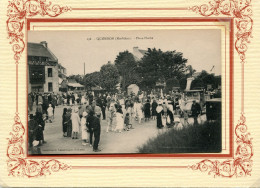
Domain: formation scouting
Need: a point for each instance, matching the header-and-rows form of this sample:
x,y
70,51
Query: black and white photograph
x,y
124,92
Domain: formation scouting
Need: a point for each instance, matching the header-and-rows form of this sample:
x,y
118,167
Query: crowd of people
x,y
82,113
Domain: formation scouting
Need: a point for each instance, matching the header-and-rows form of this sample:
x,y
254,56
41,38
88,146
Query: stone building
x,y
43,69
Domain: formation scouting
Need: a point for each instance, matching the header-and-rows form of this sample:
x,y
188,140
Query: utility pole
x,y
84,68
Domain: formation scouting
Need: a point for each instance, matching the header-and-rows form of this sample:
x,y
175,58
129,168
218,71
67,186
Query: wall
x,y
54,79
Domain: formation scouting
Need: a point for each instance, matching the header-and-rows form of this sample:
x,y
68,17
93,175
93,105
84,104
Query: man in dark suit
x,y
195,111
93,124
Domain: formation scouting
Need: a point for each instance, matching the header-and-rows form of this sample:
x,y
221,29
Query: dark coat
x,y
93,123
195,110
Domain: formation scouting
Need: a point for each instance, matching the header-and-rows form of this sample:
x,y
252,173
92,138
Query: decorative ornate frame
x,y
241,164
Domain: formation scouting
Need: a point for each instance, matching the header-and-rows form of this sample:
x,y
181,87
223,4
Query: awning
x,y
60,80
75,85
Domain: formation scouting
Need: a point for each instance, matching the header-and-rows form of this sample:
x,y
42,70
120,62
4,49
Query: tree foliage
x,y
78,78
158,65
127,68
183,83
205,79
172,82
92,79
109,77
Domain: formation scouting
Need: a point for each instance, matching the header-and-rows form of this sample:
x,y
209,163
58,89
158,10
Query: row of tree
x,y
153,68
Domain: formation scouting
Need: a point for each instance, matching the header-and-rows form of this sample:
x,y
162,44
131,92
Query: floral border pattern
x,y
17,163
19,10
241,11
241,164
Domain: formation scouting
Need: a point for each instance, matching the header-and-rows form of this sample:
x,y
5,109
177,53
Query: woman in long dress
x,y
147,110
75,123
130,111
159,111
64,122
84,132
139,111
67,120
110,111
154,106
119,120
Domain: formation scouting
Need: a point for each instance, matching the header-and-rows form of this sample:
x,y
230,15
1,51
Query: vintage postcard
x,y
129,94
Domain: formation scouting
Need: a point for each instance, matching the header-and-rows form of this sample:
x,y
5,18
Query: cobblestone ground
x,y
125,142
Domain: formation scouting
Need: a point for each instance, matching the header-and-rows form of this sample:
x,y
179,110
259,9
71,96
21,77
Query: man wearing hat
x,y
195,111
93,124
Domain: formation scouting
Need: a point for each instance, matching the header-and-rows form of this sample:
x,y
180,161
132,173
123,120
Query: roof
x,y
97,88
132,85
60,80
71,80
38,49
142,51
75,85
138,53
136,58
61,66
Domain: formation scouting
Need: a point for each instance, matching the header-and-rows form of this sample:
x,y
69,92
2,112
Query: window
x,y
50,89
49,72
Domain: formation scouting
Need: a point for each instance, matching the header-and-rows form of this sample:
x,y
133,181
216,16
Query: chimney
x,y
44,43
189,80
135,49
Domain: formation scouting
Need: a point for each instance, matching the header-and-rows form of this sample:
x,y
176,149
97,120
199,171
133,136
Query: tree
x,y
208,79
78,78
109,77
172,82
197,84
183,83
92,79
158,65
127,68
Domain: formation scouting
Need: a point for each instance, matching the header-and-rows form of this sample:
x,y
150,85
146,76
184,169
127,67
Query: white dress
x,y
119,121
84,133
139,111
75,122
83,100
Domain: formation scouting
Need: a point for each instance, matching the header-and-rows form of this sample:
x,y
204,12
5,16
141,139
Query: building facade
x,y
43,69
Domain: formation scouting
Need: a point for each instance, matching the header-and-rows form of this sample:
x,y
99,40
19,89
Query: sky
x,y
202,47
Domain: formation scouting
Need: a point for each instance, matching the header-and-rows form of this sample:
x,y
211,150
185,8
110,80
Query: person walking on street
x,y
67,121
50,113
75,123
64,122
160,112
93,124
84,133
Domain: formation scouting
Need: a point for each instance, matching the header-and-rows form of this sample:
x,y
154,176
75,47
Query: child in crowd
x,y
50,113
127,121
